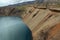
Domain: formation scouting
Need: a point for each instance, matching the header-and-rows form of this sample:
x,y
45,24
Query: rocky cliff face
x,y
10,11
44,23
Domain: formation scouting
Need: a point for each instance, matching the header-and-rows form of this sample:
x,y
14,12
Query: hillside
x,y
12,11
44,23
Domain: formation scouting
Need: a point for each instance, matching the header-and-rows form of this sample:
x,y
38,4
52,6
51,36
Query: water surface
x,y
13,28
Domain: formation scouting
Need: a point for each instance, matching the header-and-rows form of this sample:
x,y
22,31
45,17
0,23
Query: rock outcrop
x,y
11,11
44,24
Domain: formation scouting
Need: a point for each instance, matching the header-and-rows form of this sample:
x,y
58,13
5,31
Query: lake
x,y
13,28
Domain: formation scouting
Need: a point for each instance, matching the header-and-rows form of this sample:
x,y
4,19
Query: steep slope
x,y
12,11
42,22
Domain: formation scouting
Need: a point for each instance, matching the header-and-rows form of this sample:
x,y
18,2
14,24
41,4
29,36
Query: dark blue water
x,y
13,28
